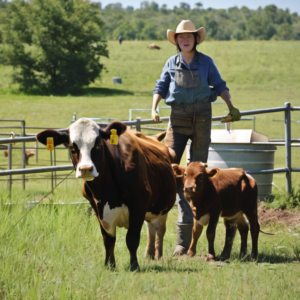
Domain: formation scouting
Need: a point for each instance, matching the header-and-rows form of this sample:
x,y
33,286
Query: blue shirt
x,y
210,76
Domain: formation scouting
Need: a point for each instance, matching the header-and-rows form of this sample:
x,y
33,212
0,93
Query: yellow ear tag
x,y
50,144
113,137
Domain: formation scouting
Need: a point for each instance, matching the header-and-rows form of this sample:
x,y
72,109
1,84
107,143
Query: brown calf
x,y
231,194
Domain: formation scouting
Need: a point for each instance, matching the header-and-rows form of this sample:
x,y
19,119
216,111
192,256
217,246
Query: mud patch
x,y
277,216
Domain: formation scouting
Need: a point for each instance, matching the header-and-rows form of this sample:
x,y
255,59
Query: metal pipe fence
x,y
287,142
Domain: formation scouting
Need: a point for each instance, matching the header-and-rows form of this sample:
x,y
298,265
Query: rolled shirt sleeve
x,y
162,84
215,80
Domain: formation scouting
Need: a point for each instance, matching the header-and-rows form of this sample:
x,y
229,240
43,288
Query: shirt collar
x,y
198,57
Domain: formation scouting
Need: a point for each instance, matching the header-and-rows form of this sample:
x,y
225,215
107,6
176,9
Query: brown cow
x,y
153,46
125,183
231,194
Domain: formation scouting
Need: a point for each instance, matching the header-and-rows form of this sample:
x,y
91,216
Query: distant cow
x,y
153,46
125,183
28,153
231,194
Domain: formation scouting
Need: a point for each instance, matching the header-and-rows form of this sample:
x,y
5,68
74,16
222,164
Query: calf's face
x,y
84,139
195,179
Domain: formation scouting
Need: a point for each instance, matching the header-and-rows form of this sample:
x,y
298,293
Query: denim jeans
x,y
200,138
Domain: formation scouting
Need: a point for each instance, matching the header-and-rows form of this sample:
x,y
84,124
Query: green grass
x,y
58,253
259,75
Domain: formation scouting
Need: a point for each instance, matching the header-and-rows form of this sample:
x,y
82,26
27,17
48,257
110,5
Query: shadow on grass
x,y
104,92
89,91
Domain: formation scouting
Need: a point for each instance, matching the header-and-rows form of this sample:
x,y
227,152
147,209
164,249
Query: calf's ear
x,y
59,137
213,172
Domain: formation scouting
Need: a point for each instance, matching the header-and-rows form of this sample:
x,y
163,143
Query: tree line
x,y
151,21
55,46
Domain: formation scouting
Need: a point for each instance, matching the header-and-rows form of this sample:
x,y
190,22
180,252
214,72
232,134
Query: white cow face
x,y
84,138
83,135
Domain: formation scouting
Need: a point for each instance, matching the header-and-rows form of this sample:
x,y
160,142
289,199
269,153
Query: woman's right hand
x,y
155,116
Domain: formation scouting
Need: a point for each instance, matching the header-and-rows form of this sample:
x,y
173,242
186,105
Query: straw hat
x,y
186,26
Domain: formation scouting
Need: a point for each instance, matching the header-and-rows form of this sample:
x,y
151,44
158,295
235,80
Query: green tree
x,y
54,45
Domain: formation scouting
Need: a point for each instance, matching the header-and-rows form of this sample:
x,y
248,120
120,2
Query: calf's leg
x,y
243,227
254,230
196,233
231,227
210,234
109,243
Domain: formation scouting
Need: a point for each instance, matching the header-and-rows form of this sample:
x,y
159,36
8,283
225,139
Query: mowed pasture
x,y
56,252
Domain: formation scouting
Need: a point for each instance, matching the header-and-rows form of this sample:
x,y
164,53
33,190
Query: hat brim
x,y
201,32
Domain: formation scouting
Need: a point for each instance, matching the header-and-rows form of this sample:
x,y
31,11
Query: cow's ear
x,y
119,126
213,172
178,172
59,137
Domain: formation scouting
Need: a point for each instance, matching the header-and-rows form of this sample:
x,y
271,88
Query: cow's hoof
x,y
111,266
149,256
191,253
135,267
210,257
224,257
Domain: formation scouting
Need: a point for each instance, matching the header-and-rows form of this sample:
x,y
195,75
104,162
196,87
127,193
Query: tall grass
x,y
58,253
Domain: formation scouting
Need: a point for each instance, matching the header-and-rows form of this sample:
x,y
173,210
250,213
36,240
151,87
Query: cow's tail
x,y
268,232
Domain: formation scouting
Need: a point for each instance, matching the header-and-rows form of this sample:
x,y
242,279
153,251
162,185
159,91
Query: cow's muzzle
x,y
86,172
189,190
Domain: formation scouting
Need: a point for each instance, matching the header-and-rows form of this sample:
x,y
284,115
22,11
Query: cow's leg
x,y
109,243
254,230
197,230
136,219
150,249
160,227
231,227
210,234
156,232
243,227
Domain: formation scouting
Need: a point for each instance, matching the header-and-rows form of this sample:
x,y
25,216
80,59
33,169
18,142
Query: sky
x,y
292,5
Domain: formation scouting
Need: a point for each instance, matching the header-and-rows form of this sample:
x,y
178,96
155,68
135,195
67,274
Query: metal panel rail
x,y
37,170
287,142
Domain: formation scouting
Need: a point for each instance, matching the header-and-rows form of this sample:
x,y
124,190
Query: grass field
x,y
58,253
258,74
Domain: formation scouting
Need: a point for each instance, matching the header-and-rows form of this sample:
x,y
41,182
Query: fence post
x,y
23,154
9,165
51,162
288,152
138,124
37,152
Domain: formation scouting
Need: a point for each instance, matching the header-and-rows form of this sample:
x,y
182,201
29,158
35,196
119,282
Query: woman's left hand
x,y
235,113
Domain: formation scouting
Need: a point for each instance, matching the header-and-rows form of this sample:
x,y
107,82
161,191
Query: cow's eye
x,y
200,177
74,149
184,174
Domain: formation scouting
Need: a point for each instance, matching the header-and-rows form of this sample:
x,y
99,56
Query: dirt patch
x,y
277,216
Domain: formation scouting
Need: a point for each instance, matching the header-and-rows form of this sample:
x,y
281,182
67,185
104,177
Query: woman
x,y
185,85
